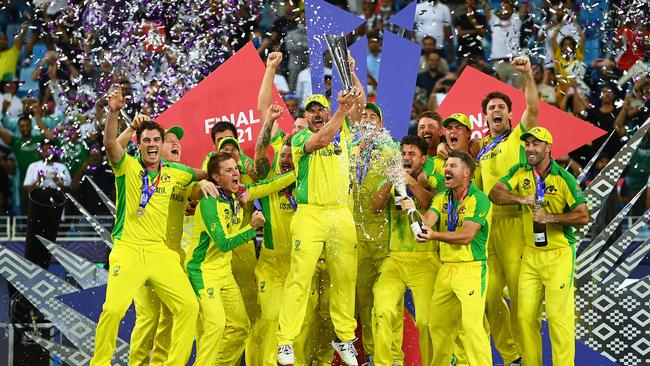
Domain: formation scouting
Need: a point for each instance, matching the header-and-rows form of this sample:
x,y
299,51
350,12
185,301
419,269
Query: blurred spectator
x,y
25,149
296,45
46,173
7,171
546,92
603,116
9,56
560,18
633,41
428,46
433,18
505,27
429,78
636,107
303,86
569,55
96,168
293,105
471,27
12,106
569,164
373,58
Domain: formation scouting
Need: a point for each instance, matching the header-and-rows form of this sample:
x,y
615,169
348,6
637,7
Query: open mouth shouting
x,y
449,176
497,119
318,123
453,141
152,153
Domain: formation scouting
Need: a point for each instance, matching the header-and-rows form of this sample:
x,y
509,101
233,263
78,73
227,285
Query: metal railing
x,y
77,228
70,227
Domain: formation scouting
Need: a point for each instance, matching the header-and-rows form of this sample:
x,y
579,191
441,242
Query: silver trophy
x,y
338,48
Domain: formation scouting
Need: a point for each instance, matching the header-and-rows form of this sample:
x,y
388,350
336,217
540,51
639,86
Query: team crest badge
x,y
116,270
210,292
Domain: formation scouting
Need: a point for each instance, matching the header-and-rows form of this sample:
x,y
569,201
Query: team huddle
x,y
467,224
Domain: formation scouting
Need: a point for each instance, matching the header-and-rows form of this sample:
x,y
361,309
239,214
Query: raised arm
x,y
326,134
359,106
37,109
126,135
265,95
529,118
380,198
262,164
114,150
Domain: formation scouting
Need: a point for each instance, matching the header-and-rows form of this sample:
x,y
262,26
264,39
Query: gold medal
x,y
140,211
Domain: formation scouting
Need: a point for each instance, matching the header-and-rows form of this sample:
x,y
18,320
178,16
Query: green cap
x,y
374,107
539,133
176,130
229,140
317,98
460,118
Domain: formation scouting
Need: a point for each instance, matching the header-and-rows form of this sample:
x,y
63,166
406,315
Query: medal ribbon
x,y
234,207
452,215
362,171
486,149
147,192
291,199
540,184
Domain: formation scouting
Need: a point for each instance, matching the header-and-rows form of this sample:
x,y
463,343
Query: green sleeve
x,y
121,166
214,225
273,185
510,179
574,196
481,210
277,141
436,203
189,175
299,141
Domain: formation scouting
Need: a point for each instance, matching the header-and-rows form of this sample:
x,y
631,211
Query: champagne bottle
x,y
415,219
400,193
539,230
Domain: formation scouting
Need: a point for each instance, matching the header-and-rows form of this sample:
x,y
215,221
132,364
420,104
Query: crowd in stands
x,y
591,59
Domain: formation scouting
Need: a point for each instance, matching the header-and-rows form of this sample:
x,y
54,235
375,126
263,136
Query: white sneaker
x,y
285,355
346,351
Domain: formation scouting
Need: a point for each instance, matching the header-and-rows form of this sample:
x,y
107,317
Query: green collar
x,y
555,167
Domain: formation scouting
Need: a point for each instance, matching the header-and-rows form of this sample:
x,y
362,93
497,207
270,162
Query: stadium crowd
x,y
63,87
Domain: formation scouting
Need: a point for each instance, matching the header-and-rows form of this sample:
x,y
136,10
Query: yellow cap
x,y
229,140
460,118
539,133
317,98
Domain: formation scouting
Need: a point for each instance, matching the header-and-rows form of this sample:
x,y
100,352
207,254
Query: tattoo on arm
x,y
262,164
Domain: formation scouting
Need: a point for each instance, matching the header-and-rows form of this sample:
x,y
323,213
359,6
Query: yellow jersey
x,y
152,226
562,195
495,164
219,228
475,207
323,175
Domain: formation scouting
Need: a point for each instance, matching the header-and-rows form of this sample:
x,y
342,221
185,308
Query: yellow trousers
x,y
243,265
547,275
223,324
131,265
313,229
271,271
459,301
151,335
370,255
400,270
323,329
505,247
